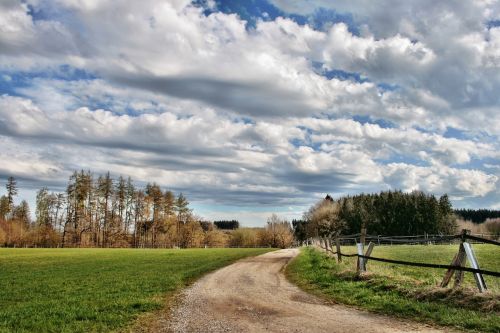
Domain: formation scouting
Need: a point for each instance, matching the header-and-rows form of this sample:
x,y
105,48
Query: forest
x,y
228,225
477,215
106,212
385,213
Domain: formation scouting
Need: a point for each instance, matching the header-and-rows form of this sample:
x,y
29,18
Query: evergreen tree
x,y
21,213
121,198
181,207
155,195
105,191
169,203
11,187
42,211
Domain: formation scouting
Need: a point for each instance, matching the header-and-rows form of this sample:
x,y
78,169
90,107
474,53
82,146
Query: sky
x,y
253,107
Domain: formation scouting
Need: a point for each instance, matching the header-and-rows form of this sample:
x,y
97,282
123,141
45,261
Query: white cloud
x,y
229,114
440,179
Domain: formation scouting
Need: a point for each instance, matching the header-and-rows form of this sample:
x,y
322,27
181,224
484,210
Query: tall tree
x,y
447,219
42,211
105,188
11,187
79,209
181,207
21,213
104,212
121,199
325,218
140,212
155,196
169,203
130,194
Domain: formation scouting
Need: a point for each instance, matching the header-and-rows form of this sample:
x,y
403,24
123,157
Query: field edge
x,y
298,271
100,290
151,322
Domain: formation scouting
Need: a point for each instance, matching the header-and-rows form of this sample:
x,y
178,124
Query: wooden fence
x,y
457,266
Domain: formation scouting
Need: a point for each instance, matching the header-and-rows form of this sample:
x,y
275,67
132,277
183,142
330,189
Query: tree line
x,y
228,225
105,212
388,213
477,215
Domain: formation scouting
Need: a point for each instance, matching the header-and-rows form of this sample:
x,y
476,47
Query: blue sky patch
x,y
492,24
254,10
343,75
369,120
12,82
455,133
339,74
248,10
245,120
62,72
322,19
387,86
476,164
403,158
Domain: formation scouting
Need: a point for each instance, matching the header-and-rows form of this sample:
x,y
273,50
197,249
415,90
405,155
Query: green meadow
x,y
96,290
405,291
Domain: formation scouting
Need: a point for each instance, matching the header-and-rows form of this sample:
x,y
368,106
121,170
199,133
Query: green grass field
x,y
405,291
96,290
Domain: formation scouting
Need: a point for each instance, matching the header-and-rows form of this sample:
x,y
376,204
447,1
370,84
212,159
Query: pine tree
x,y
11,187
181,206
155,195
21,213
130,194
42,211
121,197
168,203
105,190
447,219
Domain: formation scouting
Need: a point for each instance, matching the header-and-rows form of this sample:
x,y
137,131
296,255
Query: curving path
x,y
253,295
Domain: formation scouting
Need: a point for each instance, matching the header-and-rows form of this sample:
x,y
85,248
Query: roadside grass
x,y
405,291
96,290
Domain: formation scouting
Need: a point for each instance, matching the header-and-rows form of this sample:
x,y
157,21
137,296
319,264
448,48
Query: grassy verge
x,y
403,291
96,290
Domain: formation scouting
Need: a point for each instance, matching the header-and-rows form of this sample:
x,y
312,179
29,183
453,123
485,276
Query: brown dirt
x,y
253,295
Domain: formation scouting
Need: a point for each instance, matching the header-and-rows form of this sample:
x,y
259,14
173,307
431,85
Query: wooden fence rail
x,y
457,266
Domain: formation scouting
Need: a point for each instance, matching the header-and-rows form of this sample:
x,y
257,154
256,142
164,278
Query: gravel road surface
x,y
253,295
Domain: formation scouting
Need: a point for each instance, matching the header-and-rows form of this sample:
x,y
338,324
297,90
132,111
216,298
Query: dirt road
x,y
253,295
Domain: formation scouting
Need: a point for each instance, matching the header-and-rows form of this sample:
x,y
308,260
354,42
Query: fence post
x,y
361,263
363,236
368,252
450,271
461,258
337,246
481,285
458,260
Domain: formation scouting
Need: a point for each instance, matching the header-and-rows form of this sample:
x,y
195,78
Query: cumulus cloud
x,y
440,179
383,142
277,113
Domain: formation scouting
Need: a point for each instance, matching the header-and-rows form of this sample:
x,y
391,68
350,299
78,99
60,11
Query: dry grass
x,y
489,227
